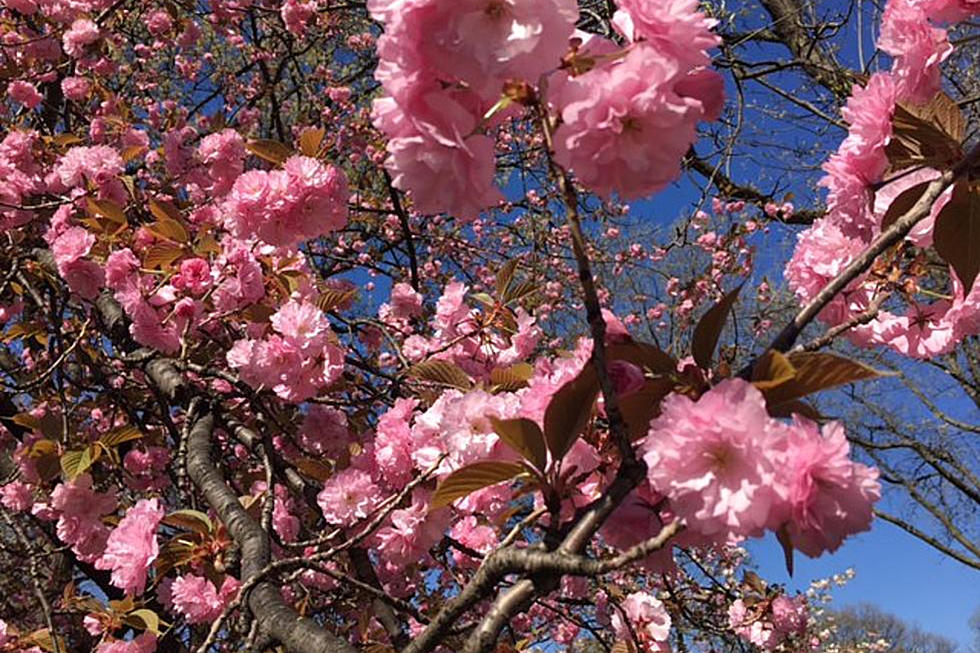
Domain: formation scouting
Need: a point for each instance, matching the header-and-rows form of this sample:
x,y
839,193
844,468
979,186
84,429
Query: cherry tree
x,y
318,336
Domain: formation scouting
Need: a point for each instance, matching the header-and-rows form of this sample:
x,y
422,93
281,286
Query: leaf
x,y
117,436
314,469
771,370
518,292
926,135
75,462
193,521
782,535
903,204
709,329
649,357
331,298
818,371
505,277
272,151
145,619
956,235
161,256
569,411
525,437
471,478
107,209
511,379
640,407
795,407
168,224
44,453
440,371
310,141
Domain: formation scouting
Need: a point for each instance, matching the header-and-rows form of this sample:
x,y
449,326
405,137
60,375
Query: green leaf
x,y
818,371
440,371
471,478
569,411
771,370
709,329
525,437
956,236
194,521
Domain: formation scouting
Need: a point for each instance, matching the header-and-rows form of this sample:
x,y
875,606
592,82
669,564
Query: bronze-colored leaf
x,y
648,357
471,478
310,141
903,204
926,135
272,151
117,436
709,329
440,371
161,256
956,235
332,298
816,371
76,462
144,619
782,535
169,229
505,277
640,407
511,379
771,370
569,411
193,521
107,209
525,437
315,469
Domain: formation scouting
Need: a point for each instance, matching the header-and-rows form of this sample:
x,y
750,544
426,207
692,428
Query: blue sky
x,y
895,571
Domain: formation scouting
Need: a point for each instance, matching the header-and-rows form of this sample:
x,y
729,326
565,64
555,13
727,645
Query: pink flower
x,y
646,614
223,154
132,546
628,124
25,93
145,643
297,14
405,301
76,88
159,22
393,442
194,276
197,599
16,496
714,459
302,325
676,26
324,431
916,46
348,496
80,510
830,497
82,33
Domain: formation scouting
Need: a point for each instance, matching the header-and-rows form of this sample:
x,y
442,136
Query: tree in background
x,y
329,326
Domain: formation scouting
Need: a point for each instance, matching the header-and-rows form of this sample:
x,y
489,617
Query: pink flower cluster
x,y
145,643
198,600
647,617
304,200
79,510
443,66
99,165
297,359
730,471
770,623
459,334
132,546
859,195
627,123
84,276
20,176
